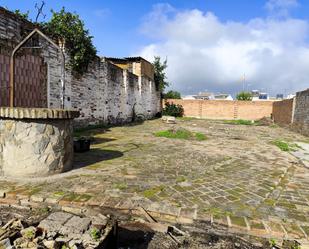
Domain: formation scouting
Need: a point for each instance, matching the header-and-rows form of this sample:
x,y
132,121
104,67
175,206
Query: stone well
x,y
35,141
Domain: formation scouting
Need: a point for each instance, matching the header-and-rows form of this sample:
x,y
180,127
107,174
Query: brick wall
x,y
283,111
301,112
223,109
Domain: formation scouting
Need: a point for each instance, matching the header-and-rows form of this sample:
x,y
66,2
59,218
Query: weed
x,y
274,126
95,234
181,134
30,234
272,242
59,194
153,191
180,179
284,146
200,136
44,210
241,122
120,186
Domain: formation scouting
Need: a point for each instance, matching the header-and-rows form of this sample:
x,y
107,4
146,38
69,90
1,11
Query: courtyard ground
x,y
238,177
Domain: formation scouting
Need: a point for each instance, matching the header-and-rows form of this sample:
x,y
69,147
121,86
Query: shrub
x,y
172,95
245,96
172,109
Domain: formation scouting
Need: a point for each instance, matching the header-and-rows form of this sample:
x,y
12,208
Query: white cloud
x,y
206,53
102,13
281,7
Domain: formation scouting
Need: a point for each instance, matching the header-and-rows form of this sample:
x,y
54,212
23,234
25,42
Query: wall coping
x,y
37,113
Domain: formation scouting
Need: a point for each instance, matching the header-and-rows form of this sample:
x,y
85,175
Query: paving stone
x,y
75,225
246,177
54,222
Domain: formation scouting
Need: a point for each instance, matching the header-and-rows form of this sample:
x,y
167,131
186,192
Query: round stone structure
x,y
35,141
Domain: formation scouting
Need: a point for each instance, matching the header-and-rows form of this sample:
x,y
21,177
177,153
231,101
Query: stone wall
x,y
223,109
283,111
35,142
301,112
105,94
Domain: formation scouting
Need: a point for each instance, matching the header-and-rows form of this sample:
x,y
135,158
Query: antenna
x,y
244,82
40,11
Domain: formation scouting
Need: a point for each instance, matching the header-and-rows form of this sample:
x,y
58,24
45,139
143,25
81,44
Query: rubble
x,y
169,119
58,230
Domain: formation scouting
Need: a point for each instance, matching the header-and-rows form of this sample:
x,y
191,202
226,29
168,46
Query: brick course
x,y
224,109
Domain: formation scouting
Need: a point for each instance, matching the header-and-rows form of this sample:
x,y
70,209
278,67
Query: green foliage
x,y
68,28
245,96
200,136
159,73
181,134
172,95
240,122
172,109
149,193
284,146
95,234
21,14
120,186
272,242
180,179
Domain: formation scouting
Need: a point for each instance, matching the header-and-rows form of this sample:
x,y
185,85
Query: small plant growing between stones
x,y
181,134
241,122
95,234
272,243
120,186
284,146
30,234
180,179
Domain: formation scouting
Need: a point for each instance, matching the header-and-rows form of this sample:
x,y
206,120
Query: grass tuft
x,y
181,134
241,122
284,146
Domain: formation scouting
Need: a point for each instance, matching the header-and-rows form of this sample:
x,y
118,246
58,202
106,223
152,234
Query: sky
x,y
210,45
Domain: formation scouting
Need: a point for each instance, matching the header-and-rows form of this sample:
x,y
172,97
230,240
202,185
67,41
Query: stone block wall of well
x,y
224,109
105,94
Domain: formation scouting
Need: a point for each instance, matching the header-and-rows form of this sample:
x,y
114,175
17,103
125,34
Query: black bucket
x,y
81,145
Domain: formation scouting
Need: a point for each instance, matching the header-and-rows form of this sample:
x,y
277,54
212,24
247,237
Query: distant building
x,y
189,97
204,96
223,96
279,96
257,95
209,96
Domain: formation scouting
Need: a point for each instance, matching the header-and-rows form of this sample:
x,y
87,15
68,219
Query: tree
x,y
159,73
172,95
68,28
21,14
246,96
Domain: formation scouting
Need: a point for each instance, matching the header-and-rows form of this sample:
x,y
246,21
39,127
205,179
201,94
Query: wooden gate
x,y
30,81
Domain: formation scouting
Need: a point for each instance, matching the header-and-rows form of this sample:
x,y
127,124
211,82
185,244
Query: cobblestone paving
x,y
236,176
